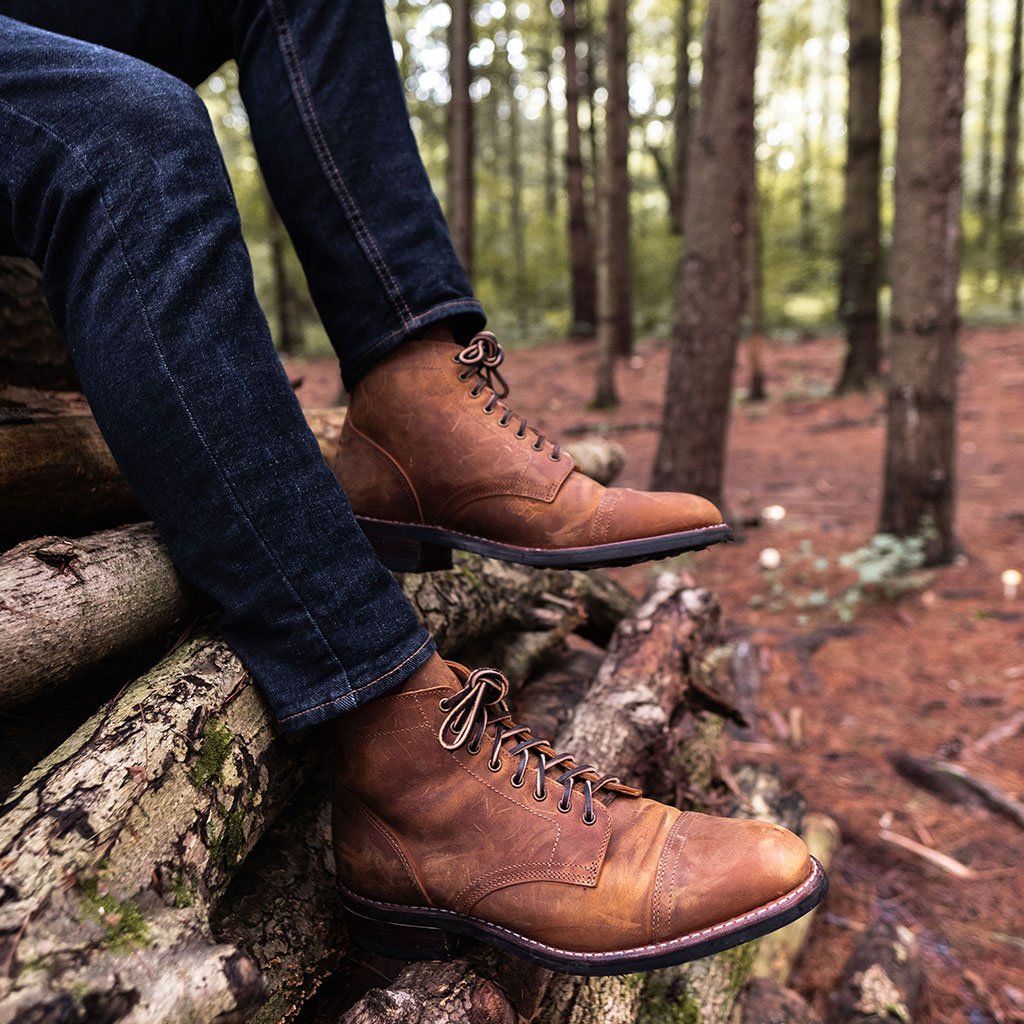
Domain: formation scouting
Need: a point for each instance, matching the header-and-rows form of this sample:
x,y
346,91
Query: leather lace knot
x,y
479,711
482,357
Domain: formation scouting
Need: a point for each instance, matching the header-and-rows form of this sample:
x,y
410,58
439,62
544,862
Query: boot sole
x,y
411,547
422,933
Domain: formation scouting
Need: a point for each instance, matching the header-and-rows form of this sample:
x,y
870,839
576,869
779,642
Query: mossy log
x,y
68,604
57,473
655,678
114,849
883,982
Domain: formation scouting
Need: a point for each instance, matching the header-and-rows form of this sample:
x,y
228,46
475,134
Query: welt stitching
x,y
350,208
79,159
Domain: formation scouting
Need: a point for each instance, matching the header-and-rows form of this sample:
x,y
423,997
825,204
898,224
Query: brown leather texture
x,y
421,825
420,446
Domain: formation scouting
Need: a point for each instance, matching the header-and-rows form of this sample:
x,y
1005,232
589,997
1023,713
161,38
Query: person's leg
x,y
111,180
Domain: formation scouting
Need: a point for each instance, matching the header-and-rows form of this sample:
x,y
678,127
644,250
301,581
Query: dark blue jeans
x,y
112,182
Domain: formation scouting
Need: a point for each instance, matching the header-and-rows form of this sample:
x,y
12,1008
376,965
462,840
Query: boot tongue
x,y
434,673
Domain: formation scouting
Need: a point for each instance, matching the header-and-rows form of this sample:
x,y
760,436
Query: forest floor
x,y
846,682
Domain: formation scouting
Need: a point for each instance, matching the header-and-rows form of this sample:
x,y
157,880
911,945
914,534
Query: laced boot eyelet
x,y
590,820
539,447
464,375
541,797
554,457
442,705
494,766
518,781
504,421
473,748
564,807
488,409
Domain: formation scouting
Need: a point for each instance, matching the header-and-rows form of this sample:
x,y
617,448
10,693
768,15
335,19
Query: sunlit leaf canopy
x,y
517,60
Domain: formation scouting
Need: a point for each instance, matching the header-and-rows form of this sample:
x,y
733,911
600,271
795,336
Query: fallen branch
x,y
940,860
953,783
1005,730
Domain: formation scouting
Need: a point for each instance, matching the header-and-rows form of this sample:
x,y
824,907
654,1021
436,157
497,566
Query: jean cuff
x,y
319,707
467,316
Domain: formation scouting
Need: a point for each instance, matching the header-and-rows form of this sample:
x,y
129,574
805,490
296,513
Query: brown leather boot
x,y
432,459
451,821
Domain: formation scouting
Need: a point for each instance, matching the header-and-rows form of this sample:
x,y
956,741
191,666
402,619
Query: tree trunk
x,y
920,452
615,298
550,172
581,238
681,113
988,127
758,388
709,305
860,260
289,331
460,134
32,351
1009,180
517,226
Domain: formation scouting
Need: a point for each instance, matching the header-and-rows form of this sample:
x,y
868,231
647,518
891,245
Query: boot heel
x,y
401,554
399,941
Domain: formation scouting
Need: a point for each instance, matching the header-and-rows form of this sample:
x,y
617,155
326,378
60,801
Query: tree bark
x,y
988,127
517,225
709,305
767,1002
68,604
919,484
461,190
681,114
581,237
615,297
32,350
860,266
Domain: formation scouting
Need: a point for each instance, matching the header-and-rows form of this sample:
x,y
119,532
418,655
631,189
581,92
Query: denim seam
x,y
418,319
304,101
84,166
362,686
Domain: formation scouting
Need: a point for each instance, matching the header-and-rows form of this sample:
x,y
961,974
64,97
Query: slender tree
x,y
918,493
988,128
709,306
1010,178
289,334
860,257
550,174
460,133
616,296
681,113
581,238
517,225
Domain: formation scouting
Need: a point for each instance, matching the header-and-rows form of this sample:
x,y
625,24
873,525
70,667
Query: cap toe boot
x,y
451,821
432,460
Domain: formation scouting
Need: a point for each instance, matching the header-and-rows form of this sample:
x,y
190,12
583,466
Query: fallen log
x,y
67,604
883,982
57,473
637,705
779,951
114,849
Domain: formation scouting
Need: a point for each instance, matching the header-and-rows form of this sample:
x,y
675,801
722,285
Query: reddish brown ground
x,y
926,674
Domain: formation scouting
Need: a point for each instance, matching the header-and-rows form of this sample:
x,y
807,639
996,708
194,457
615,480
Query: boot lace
x,y
480,706
481,359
